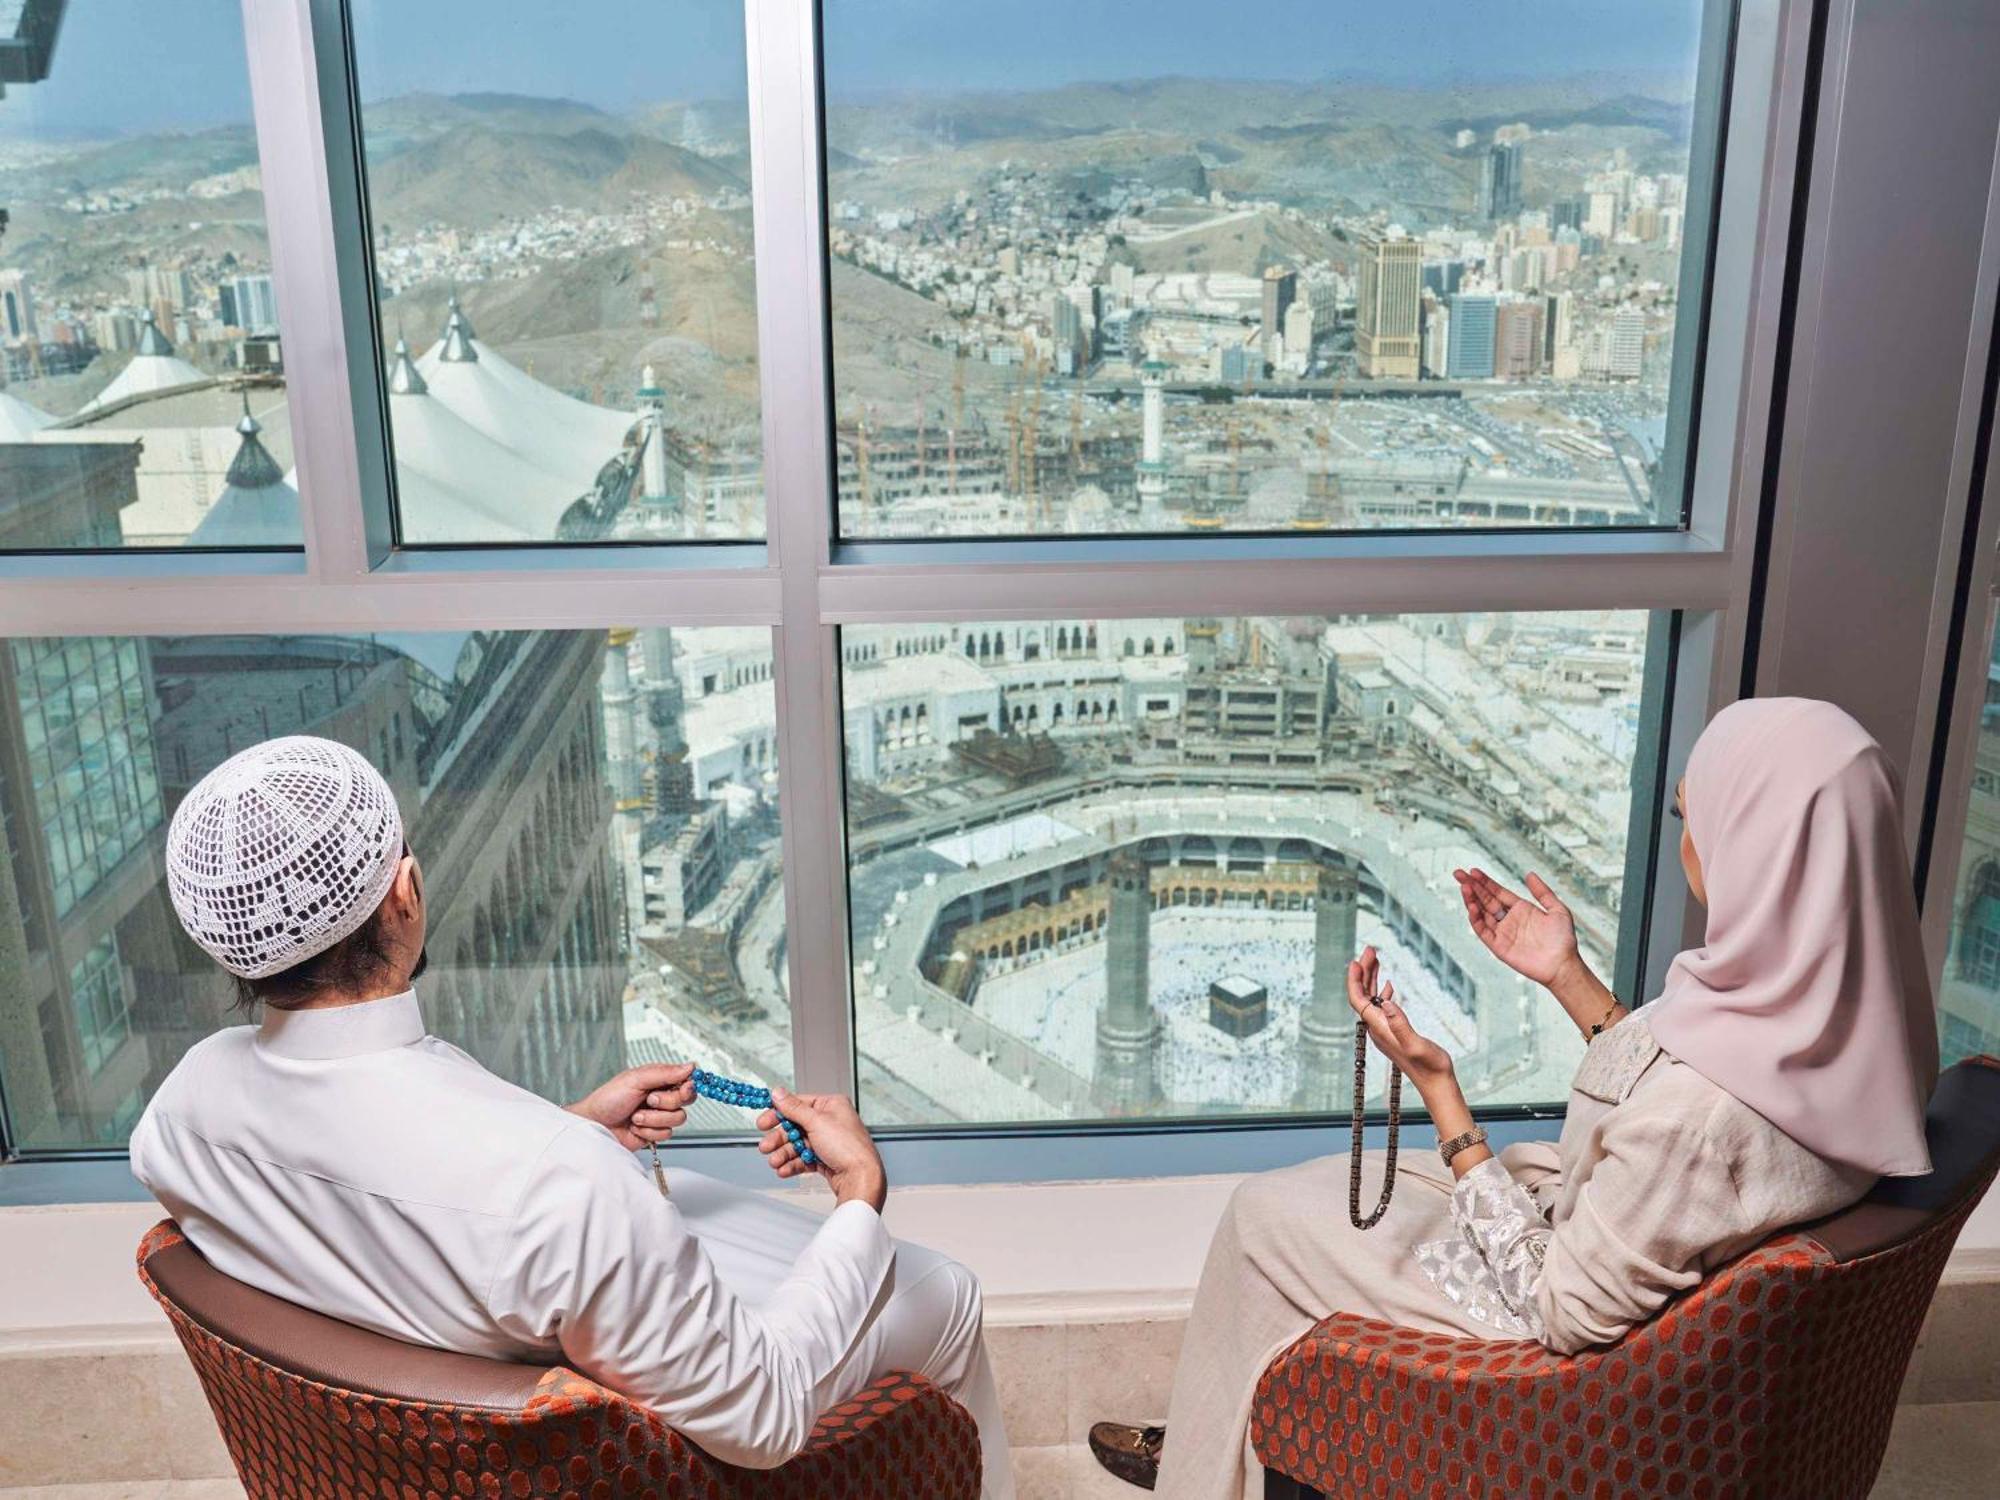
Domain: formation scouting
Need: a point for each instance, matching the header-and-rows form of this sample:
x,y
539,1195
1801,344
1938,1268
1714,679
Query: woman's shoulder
x,y
1676,1097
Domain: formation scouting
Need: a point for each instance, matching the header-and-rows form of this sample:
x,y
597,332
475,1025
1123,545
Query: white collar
x,y
343,1030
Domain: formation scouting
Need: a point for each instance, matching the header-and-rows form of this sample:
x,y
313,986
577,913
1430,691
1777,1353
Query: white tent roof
x,y
459,485
251,518
259,506
155,368
18,420
507,404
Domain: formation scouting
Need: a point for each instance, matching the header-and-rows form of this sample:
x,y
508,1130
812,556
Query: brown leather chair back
x,y
1963,1128
315,1409
1775,1379
326,1350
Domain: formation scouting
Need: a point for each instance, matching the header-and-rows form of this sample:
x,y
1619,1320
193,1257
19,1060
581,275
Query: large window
x,y
1138,266
1969,997
1167,485
1118,867
596,814
142,376
566,290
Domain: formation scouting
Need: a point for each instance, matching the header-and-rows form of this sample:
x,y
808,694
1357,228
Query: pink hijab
x,y
1810,998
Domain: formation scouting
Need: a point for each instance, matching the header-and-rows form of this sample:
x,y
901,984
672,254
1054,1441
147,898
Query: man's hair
x,y
355,962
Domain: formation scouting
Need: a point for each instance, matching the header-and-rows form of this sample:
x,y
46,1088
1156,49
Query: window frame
x,y
804,582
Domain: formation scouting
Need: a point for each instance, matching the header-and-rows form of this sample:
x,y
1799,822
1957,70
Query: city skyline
x,y
693,53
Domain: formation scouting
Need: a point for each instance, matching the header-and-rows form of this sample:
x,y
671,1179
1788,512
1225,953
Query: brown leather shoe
x,y
1132,1453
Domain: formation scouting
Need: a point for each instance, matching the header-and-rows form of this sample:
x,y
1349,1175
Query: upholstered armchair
x,y
314,1409
1776,1378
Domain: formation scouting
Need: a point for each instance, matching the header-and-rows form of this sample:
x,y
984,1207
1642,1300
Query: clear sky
x,y
125,65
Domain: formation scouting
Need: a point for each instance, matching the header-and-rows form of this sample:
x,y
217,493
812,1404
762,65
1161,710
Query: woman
x,y
1784,1068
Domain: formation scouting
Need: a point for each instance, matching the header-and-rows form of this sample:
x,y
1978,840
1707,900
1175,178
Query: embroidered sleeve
x,y
1495,1215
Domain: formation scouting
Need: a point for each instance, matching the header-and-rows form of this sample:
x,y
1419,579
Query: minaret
x,y
621,722
621,755
1128,1032
1326,1031
666,709
1153,438
653,480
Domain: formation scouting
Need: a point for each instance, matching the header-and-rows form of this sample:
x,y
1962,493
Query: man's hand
x,y
847,1156
642,1106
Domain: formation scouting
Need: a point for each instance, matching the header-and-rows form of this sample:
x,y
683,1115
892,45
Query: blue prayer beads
x,y
749,1096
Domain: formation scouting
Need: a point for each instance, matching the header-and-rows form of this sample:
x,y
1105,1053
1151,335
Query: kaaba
x,y
1237,1006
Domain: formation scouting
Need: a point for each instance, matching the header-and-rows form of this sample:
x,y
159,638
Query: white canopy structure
x,y
459,484
258,506
19,422
154,369
511,407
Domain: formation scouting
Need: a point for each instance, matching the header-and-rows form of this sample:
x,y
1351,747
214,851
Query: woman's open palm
x,y
1533,937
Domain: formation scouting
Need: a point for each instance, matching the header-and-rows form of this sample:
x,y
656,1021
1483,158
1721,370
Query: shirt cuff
x,y
823,1306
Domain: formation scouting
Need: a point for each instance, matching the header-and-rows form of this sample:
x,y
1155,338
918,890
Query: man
x,y
338,1157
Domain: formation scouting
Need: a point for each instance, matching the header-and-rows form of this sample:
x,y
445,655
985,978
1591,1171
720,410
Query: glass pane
x,y
560,203
142,380
1117,867
1105,268
599,838
1969,1000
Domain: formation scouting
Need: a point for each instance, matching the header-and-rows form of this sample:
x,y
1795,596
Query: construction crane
x,y
861,458
1031,441
1235,462
1014,434
1075,438
923,448
957,418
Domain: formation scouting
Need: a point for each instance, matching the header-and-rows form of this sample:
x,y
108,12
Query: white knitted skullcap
x,y
280,852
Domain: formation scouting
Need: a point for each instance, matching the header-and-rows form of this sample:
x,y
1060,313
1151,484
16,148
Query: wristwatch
x,y
1473,1137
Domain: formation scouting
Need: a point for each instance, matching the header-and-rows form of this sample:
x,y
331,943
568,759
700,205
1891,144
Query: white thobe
x,y
344,1160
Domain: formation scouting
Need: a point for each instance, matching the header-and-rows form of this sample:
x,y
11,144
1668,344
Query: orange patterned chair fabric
x,y
1776,1378
344,1414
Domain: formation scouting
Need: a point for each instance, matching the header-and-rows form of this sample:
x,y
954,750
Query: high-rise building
x,y
81,800
1387,338
1437,336
1500,180
1601,219
17,309
1281,289
1298,337
1443,278
1517,339
1473,332
1628,344
256,304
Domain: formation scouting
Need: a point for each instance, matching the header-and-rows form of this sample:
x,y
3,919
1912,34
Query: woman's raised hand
x,y
1536,938
1422,1060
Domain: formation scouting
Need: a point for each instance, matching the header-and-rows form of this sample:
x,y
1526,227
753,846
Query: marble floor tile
x,y
1942,1452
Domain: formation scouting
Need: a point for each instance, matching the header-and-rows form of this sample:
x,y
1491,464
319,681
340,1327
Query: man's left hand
x,y
642,1106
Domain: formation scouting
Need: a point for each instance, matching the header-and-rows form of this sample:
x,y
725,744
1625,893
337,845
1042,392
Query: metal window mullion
x,y
1660,572
1981,576
61,599
782,46
305,143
